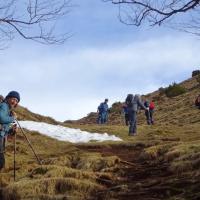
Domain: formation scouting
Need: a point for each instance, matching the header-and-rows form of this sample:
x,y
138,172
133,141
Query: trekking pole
x,y
15,156
29,143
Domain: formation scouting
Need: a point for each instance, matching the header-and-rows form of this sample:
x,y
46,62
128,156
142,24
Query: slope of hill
x,y
161,162
25,114
177,110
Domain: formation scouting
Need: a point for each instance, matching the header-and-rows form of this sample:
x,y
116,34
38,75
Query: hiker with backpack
x,y
103,110
133,104
149,113
197,102
7,121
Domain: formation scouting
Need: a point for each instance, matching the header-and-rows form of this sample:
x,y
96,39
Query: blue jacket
x,y
5,119
103,108
125,109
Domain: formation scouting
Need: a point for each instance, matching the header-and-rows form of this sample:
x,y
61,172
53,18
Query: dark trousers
x,y
2,149
197,105
149,117
133,122
127,119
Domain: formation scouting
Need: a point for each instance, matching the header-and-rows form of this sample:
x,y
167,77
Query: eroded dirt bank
x,y
140,176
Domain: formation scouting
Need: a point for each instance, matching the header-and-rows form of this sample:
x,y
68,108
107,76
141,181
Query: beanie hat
x,y
13,94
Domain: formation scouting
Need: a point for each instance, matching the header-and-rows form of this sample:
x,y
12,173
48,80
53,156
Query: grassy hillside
x,y
160,158
177,110
25,114
161,162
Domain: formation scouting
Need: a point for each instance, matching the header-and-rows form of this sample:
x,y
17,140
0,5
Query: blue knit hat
x,y
13,94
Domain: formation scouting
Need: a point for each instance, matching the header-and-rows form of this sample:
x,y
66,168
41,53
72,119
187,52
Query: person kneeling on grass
x,y
134,103
197,102
7,119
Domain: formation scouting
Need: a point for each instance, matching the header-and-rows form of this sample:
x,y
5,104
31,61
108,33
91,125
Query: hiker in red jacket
x,y
197,102
149,113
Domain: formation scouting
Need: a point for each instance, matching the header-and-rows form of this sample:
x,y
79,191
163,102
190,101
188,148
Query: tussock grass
x,y
49,186
96,162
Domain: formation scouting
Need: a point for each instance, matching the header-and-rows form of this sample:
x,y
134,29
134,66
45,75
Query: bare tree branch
x,y
181,14
33,20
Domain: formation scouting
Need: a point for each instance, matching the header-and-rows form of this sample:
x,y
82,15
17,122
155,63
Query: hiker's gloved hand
x,y
14,114
147,109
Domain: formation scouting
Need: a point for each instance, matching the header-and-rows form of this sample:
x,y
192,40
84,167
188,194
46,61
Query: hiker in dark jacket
x,y
133,104
103,110
7,119
149,113
197,102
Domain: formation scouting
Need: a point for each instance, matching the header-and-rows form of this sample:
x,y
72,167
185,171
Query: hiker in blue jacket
x,y
134,103
7,119
103,110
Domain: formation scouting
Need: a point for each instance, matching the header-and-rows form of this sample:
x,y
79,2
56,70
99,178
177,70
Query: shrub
x,y
174,90
116,107
195,73
161,91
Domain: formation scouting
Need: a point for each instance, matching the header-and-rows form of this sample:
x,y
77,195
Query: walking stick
x,y
15,156
29,143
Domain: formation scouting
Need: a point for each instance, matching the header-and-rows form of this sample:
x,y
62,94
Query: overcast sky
x,y
103,59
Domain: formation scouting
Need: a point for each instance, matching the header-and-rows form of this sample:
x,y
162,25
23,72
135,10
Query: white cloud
x,y
69,84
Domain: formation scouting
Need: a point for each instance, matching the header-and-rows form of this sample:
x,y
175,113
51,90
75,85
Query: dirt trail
x,y
144,179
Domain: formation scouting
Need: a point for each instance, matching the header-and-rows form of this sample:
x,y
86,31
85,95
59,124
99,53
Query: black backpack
x,y
129,100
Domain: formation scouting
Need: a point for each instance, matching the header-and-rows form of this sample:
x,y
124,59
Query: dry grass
x,y
72,171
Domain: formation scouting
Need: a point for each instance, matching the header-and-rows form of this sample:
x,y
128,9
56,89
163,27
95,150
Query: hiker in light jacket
x,y
133,104
7,119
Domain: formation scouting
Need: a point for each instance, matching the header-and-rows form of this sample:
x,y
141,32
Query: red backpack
x,y
152,106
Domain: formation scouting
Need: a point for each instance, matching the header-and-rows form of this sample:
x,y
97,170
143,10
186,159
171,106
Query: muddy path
x,y
144,179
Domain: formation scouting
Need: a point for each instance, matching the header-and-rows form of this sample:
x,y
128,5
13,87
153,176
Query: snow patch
x,y
66,134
